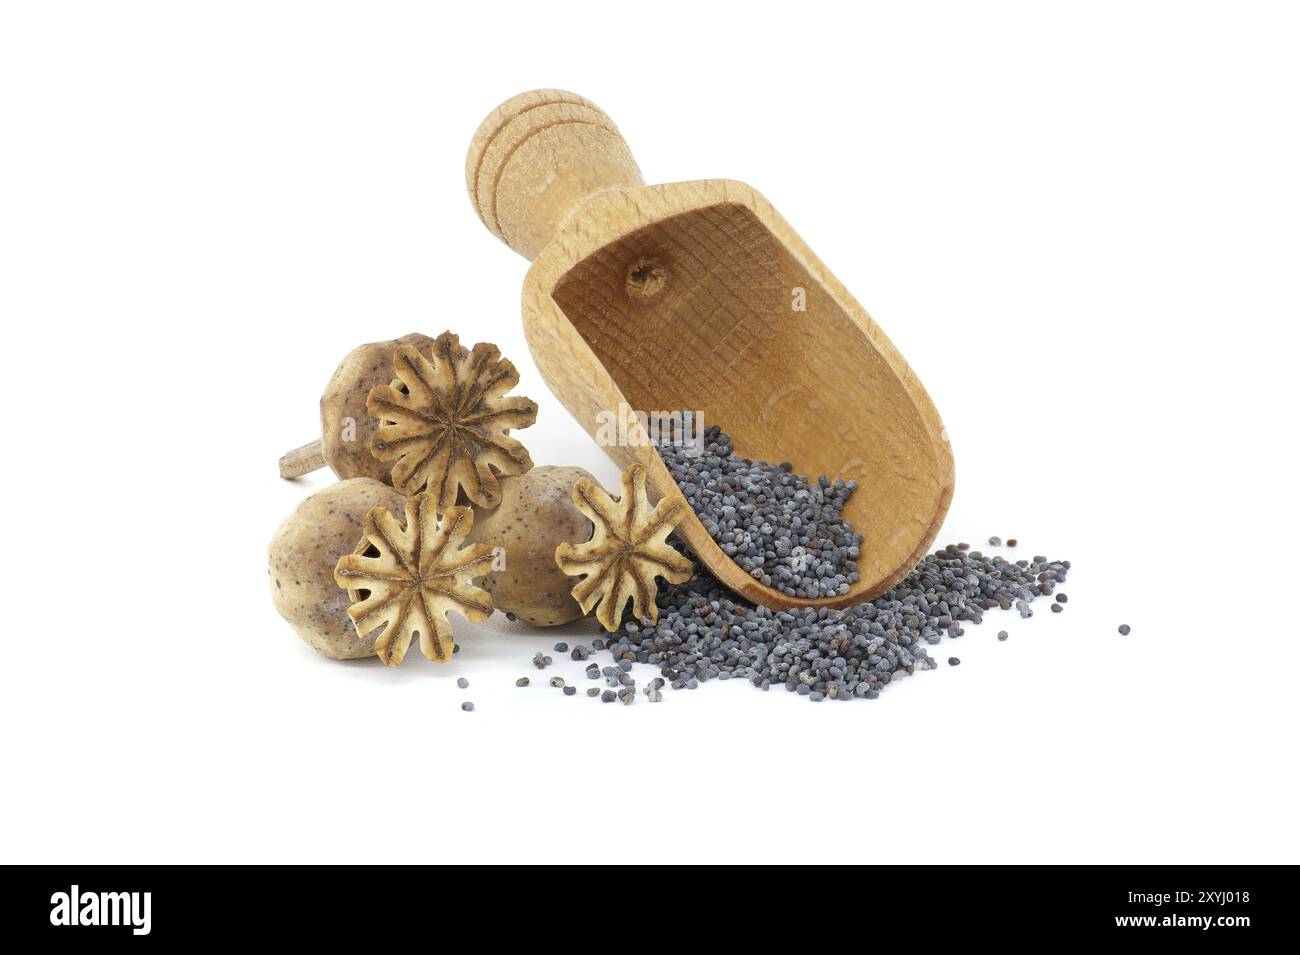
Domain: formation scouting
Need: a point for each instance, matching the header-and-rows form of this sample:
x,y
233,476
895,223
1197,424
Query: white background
x,y
1078,222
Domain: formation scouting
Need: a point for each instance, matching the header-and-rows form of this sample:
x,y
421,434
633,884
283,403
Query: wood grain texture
x,y
679,296
539,156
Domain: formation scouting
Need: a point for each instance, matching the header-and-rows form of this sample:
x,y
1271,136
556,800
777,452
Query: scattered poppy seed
x,y
522,681
705,630
954,661
462,683
570,690
593,691
1062,598
1002,634
557,681
467,707
1011,542
609,696
1124,629
561,648
1057,608
995,541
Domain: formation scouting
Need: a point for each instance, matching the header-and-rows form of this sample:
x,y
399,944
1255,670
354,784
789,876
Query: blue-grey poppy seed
x,y
705,632
783,529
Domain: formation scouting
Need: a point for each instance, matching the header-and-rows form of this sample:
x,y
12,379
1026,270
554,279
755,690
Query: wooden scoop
x,y
699,296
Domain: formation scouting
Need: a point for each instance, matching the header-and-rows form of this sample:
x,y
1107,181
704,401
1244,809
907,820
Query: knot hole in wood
x,y
646,279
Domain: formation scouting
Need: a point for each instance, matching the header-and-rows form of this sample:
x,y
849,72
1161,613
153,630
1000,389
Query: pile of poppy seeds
x,y
782,529
787,532
706,632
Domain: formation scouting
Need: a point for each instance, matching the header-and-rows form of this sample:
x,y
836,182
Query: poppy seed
x,y
784,530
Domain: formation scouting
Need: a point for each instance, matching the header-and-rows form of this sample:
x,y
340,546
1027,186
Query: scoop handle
x,y
537,158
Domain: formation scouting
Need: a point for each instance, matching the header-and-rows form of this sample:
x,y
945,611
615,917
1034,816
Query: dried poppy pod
x,y
404,579
445,421
535,516
628,549
306,549
345,425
